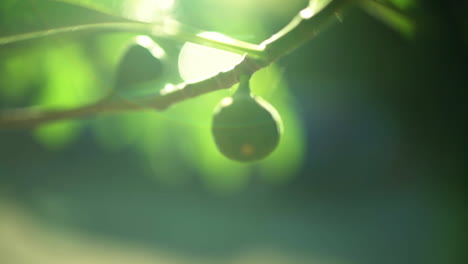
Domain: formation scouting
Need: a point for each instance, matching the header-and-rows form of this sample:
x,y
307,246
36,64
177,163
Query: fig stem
x,y
244,84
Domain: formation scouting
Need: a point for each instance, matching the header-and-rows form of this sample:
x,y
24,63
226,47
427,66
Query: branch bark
x,y
305,26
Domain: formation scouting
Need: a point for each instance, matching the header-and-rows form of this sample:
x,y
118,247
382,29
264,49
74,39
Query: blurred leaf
x,y
139,10
390,15
57,135
403,4
116,132
104,6
24,24
70,82
34,23
27,16
71,79
20,74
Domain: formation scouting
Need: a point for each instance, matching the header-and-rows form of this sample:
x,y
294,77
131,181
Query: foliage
x,y
69,60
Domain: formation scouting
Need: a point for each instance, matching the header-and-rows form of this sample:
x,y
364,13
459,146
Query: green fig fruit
x,y
137,66
246,128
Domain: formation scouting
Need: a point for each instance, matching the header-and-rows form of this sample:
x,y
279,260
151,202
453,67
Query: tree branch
x,y
302,28
31,117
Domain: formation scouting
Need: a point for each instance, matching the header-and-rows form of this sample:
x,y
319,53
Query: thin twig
x,y
307,24
167,28
32,117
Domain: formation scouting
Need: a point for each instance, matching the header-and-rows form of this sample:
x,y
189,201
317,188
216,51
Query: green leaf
x,y
58,135
105,6
403,4
28,16
26,20
158,13
70,82
390,15
145,11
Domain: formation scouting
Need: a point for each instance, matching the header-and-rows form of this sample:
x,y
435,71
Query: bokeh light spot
x,y
198,62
